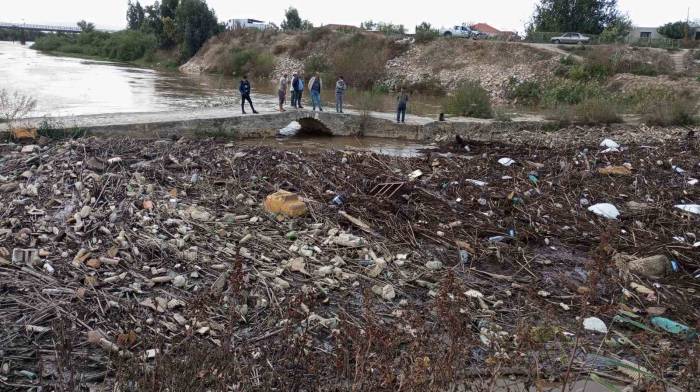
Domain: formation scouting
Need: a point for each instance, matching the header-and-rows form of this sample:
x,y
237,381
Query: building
x,y
649,33
491,31
638,33
234,24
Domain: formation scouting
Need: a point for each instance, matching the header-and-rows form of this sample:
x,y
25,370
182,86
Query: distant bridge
x,y
36,27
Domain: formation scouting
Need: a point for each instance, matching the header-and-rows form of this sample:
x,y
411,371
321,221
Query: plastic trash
x,y
463,256
609,143
290,130
506,162
477,182
338,200
691,208
415,175
674,327
693,181
595,324
677,169
606,210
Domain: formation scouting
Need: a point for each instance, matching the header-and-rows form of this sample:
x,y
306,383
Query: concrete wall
x,y
636,33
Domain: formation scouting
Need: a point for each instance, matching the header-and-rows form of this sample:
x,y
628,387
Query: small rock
x,y
94,263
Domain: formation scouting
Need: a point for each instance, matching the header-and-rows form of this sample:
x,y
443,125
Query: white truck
x,y
459,31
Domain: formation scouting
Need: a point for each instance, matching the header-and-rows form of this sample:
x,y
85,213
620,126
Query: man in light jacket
x,y
315,86
340,87
282,93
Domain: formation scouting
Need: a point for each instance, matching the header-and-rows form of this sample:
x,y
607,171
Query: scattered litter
x,y
477,182
291,129
674,327
606,210
609,143
691,208
595,324
285,203
506,162
415,175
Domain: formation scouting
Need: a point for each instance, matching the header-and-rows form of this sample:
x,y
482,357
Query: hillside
x,y
365,58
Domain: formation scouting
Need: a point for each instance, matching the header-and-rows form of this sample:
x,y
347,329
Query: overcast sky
x,y
502,14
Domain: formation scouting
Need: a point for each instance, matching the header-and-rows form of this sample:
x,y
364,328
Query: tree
x,y
168,8
675,30
135,16
86,27
195,23
617,31
426,33
292,20
369,25
583,16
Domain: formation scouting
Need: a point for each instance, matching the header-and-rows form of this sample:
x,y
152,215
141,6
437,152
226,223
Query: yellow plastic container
x,y
285,203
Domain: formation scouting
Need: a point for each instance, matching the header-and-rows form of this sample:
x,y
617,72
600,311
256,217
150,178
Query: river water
x,y
65,86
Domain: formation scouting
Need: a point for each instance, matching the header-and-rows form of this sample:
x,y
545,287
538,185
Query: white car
x,y
458,31
571,38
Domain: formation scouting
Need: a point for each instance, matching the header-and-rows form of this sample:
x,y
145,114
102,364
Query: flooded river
x,y
65,86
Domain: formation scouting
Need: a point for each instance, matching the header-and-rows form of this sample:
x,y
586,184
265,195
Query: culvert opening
x,y
310,127
306,127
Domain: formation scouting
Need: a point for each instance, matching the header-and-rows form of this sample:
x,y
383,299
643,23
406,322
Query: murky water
x,y
65,86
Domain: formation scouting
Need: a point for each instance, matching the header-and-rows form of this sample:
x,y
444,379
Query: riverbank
x,y
157,265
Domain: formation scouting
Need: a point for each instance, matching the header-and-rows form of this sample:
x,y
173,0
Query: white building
x,y
234,24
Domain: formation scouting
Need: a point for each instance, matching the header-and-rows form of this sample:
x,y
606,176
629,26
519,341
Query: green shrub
x,y
248,62
567,60
526,92
316,63
469,100
361,59
567,92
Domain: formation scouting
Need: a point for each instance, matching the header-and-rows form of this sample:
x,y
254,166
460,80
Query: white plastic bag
x,y
606,210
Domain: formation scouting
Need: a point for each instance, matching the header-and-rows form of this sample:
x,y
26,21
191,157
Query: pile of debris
x,y
196,265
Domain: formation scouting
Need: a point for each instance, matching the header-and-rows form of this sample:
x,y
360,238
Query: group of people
x,y
297,85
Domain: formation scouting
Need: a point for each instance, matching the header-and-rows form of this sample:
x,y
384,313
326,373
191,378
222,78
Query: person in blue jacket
x,y
244,89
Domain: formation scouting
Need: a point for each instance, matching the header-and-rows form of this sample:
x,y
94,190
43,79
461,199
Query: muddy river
x,y
65,86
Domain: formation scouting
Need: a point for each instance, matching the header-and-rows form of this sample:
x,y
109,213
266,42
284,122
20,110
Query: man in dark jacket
x,y
295,91
244,89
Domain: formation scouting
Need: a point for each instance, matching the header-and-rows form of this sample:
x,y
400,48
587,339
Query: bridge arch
x,y
313,127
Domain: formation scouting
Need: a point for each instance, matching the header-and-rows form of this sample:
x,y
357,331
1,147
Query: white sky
x,y
502,14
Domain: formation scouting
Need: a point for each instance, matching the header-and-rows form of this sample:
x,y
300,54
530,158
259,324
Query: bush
x,y
566,92
526,92
469,100
127,45
361,60
248,62
673,111
316,63
596,111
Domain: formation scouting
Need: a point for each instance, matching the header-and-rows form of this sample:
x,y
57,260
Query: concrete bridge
x,y
228,122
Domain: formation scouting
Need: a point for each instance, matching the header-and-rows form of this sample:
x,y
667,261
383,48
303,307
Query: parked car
x,y
459,31
571,38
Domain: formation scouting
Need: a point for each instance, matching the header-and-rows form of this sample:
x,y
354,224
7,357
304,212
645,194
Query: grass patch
x,y
469,100
55,130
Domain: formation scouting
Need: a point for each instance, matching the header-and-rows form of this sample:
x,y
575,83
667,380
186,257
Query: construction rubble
x,y
201,265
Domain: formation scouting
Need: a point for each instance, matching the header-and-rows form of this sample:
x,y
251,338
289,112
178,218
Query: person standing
x,y
301,91
340,87
315,85
282,93
295,90
244,89
402,100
